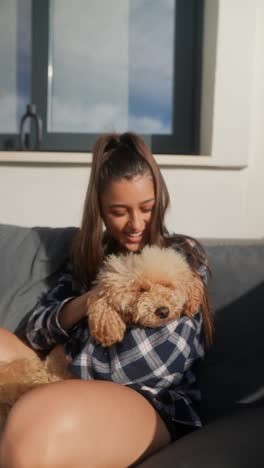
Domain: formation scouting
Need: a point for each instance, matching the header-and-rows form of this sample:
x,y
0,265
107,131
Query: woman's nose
x,y
136,222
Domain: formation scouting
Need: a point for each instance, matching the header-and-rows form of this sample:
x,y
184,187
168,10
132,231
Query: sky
x,y
111,67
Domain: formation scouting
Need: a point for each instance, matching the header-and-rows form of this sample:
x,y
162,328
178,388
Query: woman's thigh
x,y
81,424
12,347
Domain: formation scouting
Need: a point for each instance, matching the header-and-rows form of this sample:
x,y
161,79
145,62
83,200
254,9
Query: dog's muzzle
x,y
162,312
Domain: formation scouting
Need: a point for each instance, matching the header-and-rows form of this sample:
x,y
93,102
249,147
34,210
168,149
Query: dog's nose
x,y
162,312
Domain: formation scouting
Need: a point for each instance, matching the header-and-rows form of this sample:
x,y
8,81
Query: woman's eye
x,y
118,214
146,210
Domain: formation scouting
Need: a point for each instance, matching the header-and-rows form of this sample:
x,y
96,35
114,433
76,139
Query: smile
x,y
134,236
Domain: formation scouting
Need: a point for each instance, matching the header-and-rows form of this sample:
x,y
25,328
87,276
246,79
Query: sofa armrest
x,y
235,441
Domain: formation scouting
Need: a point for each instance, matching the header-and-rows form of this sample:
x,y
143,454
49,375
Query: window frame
x,y
187,59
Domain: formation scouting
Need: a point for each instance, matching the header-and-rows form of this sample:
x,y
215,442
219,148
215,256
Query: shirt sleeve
x,y
43,328
189,332
179,402
186,397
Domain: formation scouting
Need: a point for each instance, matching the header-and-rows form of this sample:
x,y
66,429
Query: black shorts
x,y
176,430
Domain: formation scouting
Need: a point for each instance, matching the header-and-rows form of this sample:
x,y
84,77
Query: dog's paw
x,y
107,328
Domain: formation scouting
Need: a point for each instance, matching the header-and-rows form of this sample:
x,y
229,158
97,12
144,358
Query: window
x,y
107,65
15,66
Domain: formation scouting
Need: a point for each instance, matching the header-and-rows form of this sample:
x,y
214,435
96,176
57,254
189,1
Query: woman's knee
x,y
41,430
34,432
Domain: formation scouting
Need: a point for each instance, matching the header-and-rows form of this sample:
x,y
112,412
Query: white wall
x,y
206,201
254,176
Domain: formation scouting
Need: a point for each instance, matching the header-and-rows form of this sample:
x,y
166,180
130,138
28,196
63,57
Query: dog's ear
x,y
105,324
195,296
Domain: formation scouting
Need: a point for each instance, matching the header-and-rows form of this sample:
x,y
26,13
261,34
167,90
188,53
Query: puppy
x,y
148,289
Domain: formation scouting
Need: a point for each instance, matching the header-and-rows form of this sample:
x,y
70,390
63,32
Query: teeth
x,y
135,235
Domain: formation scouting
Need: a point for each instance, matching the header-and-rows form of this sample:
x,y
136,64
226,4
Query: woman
x,y
104,418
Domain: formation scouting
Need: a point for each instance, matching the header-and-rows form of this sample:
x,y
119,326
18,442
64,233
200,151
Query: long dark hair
x,y
197,258
118,156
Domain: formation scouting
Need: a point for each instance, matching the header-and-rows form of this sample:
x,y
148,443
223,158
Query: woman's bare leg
x,y
80,424
12,347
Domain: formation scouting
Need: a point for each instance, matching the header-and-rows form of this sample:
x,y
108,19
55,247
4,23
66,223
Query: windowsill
x,y
49,158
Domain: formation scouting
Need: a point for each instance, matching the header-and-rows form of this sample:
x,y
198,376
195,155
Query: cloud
x,y
147,125
102,117
98,35
81,118
151,52
115,51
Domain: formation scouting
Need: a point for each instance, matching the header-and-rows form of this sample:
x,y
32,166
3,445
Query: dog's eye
x,y
142,289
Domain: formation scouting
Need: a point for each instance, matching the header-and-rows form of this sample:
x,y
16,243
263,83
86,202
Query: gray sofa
x,y
231,377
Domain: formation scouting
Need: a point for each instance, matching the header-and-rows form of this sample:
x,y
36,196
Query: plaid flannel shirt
x,y
156,362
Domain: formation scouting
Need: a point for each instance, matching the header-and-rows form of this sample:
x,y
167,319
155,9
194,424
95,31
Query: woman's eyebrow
x,y
120,205
147,201
117,205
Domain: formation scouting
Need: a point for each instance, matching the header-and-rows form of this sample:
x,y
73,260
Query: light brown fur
x,y
130,288
21,375
128,291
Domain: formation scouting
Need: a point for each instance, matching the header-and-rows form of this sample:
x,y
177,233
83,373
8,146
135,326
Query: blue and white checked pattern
x,y
157,362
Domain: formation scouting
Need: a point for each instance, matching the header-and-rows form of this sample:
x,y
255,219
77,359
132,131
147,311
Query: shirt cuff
x,y
54,318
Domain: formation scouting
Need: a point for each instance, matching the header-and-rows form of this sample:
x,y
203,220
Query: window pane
x,y
151,43
15,62
111,66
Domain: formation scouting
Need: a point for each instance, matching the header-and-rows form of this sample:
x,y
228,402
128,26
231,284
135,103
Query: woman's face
x,y
127,207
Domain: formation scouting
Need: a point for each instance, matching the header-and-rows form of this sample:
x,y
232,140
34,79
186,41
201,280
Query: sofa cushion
x,y
235,441
237,268
232,374
30,257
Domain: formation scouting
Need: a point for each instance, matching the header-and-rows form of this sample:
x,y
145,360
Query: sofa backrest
x,y
30,257
232,374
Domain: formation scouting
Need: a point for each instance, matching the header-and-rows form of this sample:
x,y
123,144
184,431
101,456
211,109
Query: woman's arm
x,y
57,311
72,312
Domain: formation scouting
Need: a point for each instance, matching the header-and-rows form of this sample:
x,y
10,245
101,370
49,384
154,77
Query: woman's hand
x,y
73,311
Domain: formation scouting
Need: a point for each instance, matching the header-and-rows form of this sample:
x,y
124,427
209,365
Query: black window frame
x,y
186,94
